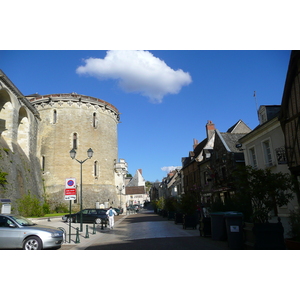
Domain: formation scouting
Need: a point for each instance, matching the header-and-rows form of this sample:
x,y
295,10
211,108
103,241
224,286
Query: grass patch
x,y
51,215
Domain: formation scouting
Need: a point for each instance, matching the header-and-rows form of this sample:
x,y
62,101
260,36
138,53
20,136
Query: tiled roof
x,y
129,190
200,147
231,139
187,160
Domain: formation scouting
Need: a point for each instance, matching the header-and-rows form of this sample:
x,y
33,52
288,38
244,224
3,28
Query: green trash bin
x,y
234,229
218,227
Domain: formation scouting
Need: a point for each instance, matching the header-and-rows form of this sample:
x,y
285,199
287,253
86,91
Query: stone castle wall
x,y
19,123
72,120
37,134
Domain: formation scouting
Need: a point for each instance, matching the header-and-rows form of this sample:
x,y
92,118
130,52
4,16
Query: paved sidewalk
x,y
71,238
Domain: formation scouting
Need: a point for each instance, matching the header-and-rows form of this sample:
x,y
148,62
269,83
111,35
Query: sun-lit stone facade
x,y
73,121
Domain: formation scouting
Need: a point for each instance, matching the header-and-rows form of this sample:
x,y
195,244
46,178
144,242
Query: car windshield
x,y
22,221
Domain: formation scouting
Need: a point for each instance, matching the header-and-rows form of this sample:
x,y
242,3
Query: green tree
x,y
188,203
148,186
171,204
263,190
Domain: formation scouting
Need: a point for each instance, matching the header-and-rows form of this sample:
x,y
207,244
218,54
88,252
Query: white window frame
x,y
267,152
252,157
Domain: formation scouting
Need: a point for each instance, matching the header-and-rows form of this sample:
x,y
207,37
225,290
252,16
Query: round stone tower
x,y
72,121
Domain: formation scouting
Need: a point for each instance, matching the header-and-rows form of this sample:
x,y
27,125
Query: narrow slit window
x,y
43,163
96,168
74,140
94,120
54,116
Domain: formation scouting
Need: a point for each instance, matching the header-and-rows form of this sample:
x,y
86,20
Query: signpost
x,y
70,189
70,194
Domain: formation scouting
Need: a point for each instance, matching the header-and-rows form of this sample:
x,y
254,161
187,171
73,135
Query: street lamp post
x,y
72,155
120,188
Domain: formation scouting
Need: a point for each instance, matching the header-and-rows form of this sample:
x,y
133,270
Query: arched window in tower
x,y
23,136
96,172
54,116
6,117
94,120
75,140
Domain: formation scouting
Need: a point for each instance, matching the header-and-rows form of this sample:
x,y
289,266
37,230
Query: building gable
x,y
137,179
239,127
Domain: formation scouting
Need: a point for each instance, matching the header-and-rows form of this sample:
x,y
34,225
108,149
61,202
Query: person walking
x,y
111,217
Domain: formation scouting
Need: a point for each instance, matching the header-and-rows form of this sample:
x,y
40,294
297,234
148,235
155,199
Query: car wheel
x,y
70,220
98,221
32,243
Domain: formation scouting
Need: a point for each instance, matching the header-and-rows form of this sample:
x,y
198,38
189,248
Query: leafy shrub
x,y
189,203
29,206
46,208
160,203
263,190
61,208
171,204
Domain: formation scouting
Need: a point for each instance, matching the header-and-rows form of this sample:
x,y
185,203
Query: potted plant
x,y
154,205
189,209
160,205
170,205
293,242
267,191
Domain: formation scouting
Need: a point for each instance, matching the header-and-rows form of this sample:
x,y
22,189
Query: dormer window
x,y
262,115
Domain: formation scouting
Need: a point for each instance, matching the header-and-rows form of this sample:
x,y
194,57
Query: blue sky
x,y
156,135
165,97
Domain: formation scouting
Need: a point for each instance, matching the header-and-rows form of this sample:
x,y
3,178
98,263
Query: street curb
x,y
86,243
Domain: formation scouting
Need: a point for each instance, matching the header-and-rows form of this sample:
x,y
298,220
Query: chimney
x,y
210,128
195,143
141,171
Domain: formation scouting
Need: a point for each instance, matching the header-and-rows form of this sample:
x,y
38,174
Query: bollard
x,y
77,236
49,220
102,224
94,228
87,232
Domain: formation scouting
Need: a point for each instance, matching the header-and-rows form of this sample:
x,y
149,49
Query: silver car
x,y
19,232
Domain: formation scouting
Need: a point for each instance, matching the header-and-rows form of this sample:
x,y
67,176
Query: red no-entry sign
x,y
69,192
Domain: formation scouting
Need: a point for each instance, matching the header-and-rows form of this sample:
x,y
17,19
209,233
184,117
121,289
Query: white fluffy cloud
x,y
138,72
169,169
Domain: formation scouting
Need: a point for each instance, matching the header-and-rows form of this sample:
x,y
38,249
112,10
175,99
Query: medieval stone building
x,y
37,135
19,123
